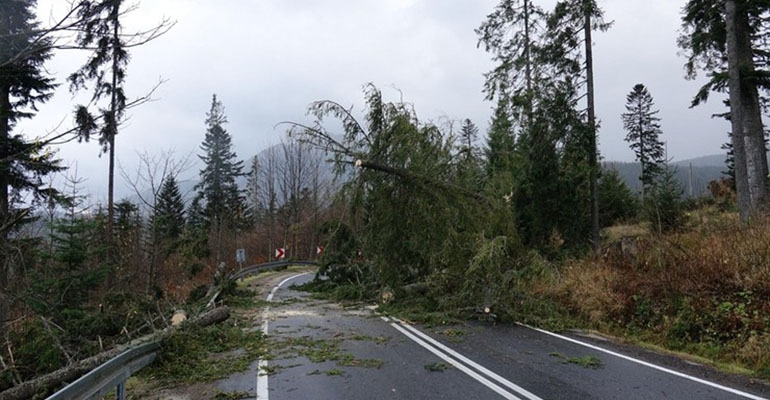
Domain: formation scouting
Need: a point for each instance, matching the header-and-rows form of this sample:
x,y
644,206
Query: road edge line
x,y
648,364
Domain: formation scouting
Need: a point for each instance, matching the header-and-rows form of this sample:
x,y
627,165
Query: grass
x,y
437,366
591,362
454,335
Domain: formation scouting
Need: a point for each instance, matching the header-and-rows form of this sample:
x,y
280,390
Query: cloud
x,y
268,59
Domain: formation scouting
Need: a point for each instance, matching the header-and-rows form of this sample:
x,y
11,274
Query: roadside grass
x,y
704,290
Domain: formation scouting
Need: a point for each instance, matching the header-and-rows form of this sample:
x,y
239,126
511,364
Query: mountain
x,y
715,160
694,180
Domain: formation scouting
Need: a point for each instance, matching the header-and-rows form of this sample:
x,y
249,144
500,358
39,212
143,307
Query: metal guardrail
x,y
110,375
114,373
271,266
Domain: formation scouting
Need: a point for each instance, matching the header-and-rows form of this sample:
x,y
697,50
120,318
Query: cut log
x,y
214,316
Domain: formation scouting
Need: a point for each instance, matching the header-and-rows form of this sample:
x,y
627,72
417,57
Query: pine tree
x,y
643,127
23,86
469,133
500,142
511,33
615,198
222,199
71,269
570,19
107,68
168,218
664,208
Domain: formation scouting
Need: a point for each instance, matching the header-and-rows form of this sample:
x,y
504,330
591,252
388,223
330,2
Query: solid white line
x,y
646,364
505,382
262,393
457,364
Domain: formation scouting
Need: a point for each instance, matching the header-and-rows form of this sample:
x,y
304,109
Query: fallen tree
x,y
43,385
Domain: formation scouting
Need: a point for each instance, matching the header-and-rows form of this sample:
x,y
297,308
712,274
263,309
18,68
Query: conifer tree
x,y
726,39
469,133
500,142
643,133
23,86
107,68
615,198
70,272
168,217
221,198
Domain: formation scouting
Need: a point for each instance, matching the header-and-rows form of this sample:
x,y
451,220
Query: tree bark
x,y
745,115
5,110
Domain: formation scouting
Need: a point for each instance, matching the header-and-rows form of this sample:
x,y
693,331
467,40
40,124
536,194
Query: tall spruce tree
x,y
222,199
643,133
23,86
725,38
106,67
571,18
512,33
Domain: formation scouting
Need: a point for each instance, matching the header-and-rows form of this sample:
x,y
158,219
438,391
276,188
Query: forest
x,y
522,222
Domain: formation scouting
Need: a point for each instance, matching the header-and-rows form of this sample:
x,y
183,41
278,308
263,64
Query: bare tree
x,y
147,182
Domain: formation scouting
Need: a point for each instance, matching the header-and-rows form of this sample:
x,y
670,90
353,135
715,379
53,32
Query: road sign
x,y
319,250
240,255
280,253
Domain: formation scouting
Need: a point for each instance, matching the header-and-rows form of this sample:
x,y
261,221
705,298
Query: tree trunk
x,y
592,156
5,110
745,115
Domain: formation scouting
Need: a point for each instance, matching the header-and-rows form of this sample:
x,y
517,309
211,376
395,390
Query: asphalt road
x,y
323,351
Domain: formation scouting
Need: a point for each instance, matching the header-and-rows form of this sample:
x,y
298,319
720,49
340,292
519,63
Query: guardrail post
x,y
120,391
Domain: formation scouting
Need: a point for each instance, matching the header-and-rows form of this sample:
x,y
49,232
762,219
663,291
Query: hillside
x,y
694,179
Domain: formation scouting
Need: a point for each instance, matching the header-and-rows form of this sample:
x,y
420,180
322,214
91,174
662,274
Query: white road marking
x,y
262,393
650,365
456,364
505,382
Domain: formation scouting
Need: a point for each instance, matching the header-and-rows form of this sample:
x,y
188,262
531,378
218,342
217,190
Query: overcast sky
x,y
268,59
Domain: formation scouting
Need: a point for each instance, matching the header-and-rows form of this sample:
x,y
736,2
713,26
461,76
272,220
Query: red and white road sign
x,y
319,250
280,253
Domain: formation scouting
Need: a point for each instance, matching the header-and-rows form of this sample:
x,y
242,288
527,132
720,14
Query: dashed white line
x,y
262,393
